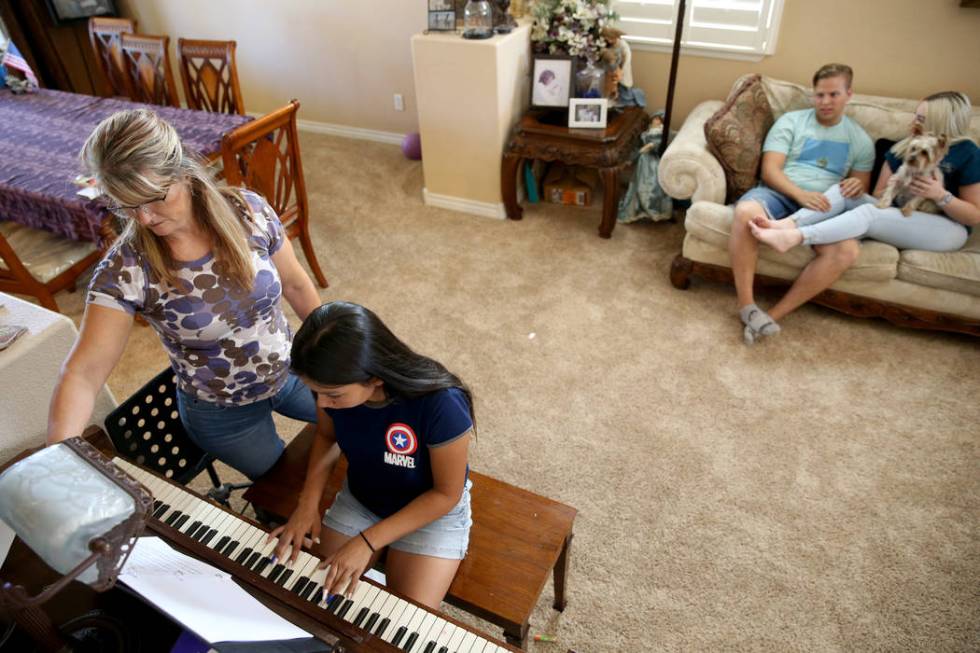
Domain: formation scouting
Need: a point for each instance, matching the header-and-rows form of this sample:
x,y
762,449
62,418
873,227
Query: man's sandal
x,y
757,323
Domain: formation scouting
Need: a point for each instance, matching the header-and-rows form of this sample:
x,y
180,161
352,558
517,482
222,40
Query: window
x,y
740,29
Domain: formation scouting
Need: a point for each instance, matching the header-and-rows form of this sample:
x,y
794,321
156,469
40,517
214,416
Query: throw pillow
x,y
735,135
882,145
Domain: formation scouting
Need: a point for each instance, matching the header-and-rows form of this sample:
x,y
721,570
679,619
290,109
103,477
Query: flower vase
x,y
589,81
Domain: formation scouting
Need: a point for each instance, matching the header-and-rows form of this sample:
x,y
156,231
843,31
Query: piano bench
x,y
517,541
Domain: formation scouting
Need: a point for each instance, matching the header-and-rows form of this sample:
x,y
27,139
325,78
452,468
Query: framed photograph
x,y
442,16
63,11
551,81
588,112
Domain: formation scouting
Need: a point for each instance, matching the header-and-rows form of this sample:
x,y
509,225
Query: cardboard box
x,y
562,185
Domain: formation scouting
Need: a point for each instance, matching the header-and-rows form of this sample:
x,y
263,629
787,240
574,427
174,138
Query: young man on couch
x,y
805,153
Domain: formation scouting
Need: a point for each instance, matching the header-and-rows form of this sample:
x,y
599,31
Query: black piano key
x,y
190,530
345,608
382,627
219,547
317,595
230,548
443,650
361,616
430,647
410,642
274,574
300,586
263,563
335,603
173,517
209,536
371,620
156,505
164,507
253,558
243,556
399,635
281,581
181,521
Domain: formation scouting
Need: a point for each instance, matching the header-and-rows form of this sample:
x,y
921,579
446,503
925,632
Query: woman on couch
x,y
957,194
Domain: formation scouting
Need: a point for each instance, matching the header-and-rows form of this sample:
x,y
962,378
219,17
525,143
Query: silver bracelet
x,y
944,200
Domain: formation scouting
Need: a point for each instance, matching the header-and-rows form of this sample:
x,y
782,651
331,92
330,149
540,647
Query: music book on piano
x,y
202,598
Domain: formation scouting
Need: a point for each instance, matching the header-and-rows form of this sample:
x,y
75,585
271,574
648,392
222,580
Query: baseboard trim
x,y
392,138
461,205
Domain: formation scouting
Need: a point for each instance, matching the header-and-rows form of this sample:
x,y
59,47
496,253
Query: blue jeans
x,y
245,437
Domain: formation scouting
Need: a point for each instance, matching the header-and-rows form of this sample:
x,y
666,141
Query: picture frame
x,y
442,16
588,113
552,81
66,11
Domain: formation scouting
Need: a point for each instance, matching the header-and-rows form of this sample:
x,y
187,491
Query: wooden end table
x,y
609,150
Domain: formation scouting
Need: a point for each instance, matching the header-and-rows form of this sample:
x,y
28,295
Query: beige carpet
x,y
818,492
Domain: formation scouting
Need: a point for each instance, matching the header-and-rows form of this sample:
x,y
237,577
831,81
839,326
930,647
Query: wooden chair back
x,y
150,76
105,36
209,76
263,155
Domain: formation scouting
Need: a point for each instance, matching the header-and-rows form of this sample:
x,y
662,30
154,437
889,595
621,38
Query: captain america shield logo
x,y
401,439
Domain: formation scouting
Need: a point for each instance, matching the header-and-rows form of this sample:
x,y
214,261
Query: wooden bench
x,y
517,540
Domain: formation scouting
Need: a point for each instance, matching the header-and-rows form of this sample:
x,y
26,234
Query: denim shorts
x,y
446,537
776,205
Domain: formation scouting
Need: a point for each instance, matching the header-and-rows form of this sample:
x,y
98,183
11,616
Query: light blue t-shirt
x,y
818,157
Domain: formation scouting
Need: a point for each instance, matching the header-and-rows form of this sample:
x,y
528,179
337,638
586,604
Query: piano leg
x,y
519,638
561,571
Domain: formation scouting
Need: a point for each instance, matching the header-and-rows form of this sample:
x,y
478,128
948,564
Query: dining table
x,y
41,135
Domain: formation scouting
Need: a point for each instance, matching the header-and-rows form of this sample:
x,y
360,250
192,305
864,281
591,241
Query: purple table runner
x,y
41,135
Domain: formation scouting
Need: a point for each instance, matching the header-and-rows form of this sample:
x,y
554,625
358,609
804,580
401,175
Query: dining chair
x,y
151,80
105,35
209,76
39,264
263,155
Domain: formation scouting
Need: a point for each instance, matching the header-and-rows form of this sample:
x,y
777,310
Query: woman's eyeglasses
x,y
131,211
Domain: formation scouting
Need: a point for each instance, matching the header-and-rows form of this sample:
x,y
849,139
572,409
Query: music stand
x,y
20,499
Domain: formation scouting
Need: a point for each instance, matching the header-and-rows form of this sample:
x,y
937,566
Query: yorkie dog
x,y
921,158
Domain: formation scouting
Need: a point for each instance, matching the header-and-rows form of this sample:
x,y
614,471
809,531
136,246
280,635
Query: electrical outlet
x,y
399,102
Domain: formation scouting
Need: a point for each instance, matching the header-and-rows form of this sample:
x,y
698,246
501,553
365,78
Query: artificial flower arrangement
x,y
570,27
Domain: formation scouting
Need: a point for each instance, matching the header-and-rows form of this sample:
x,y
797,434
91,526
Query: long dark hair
x,y
342,342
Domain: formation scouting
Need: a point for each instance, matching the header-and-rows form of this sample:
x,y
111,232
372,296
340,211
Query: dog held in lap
x,y
921,157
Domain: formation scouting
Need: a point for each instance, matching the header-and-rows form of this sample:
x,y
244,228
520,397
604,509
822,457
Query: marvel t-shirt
x,y
387,447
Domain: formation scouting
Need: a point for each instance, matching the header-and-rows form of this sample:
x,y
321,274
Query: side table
x,y
608,150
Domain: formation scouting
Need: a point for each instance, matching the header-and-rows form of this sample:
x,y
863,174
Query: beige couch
x,y
911,287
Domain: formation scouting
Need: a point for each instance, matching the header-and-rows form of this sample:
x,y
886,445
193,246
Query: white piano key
x,y
456,640
469,644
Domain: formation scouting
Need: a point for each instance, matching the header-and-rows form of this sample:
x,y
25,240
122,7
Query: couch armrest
x,y
688,169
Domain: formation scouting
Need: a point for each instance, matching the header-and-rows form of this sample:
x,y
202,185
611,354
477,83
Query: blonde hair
x,y
946,112
135,156
834,70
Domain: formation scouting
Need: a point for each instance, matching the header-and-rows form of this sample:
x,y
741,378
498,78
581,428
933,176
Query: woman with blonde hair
x,y
206,265
956,192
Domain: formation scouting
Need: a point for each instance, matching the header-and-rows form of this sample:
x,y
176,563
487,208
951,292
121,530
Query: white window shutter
x,y
738,27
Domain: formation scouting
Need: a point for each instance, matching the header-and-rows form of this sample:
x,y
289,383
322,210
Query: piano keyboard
x,y
240,548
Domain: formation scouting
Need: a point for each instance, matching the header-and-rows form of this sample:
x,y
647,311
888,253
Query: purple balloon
x,y
412,146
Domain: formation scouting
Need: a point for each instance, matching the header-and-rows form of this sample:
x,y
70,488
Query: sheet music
x,y
204,599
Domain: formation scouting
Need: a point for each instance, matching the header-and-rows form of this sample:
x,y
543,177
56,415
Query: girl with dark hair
x,y
404,422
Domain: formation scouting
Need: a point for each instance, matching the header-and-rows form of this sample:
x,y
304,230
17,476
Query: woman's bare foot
x,y
781,240
764,222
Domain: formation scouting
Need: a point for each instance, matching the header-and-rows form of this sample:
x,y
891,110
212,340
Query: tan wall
x,y
901,48
343,60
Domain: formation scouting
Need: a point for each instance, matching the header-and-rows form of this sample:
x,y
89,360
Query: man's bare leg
x,y
831,262
744,252
743,249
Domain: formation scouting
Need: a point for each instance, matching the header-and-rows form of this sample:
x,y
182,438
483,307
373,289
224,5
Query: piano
x,y
372,620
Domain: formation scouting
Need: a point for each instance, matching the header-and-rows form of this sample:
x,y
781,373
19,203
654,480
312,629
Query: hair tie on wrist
x,y
364,537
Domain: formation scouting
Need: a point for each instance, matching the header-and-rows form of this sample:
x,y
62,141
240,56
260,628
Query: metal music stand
x,y
108,552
